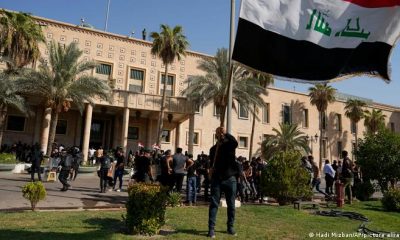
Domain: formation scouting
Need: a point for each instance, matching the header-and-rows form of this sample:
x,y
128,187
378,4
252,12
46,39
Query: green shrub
x,y
7,158
34,192
391,200
364,190
285,179
174,199
146,208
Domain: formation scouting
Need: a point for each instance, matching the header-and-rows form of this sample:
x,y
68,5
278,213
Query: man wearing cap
x,y
224,170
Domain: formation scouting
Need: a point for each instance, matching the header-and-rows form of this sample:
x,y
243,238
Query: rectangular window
x,y
338,122
243,113
392,127
243,142
286,114
133,133
353,127
266,114
217,111
197,108
61,127
103,69
166,136
305,123
196,138
339,149
169,86
15,123
136,78
324,148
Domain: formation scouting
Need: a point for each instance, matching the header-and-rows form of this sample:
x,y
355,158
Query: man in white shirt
x,y
91,155
329,177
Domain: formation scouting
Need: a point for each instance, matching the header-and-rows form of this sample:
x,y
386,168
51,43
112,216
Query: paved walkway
x,y
84,194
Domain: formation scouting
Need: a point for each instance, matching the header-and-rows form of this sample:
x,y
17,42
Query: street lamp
x,y
311,140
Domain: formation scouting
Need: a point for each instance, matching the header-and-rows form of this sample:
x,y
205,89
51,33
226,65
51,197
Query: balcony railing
x,y
150,102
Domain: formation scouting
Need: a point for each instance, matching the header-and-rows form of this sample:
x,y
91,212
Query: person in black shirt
x,y
223,171
119,168
143,167
105,165
37,156
65,164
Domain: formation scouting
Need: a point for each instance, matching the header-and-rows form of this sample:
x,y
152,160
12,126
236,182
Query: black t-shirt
x,y
142,164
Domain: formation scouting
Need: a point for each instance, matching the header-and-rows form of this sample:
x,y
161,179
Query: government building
x,y
131,118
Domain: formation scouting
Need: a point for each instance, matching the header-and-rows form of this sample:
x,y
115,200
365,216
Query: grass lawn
x,y
252,222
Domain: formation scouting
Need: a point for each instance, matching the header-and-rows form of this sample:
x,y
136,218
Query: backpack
x,y
106,163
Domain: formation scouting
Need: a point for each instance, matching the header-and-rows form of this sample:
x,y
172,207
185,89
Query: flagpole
x,y
230,87
108,10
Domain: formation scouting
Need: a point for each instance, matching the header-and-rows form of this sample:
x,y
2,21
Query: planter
x,y
87,169
7,167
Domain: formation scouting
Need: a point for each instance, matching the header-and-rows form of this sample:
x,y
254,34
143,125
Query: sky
x,y
205,24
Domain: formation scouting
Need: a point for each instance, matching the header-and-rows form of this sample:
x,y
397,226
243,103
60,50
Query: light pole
x,y
312,139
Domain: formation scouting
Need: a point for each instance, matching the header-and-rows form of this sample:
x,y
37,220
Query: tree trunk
x,y
162,110
52,132
320,139
252,131
356,142
222,116
3,114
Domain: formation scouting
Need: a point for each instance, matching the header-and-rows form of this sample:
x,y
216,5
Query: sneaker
x,y
211,233
118,190
231,231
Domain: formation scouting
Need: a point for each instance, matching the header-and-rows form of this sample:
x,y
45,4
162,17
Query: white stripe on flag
x,y
328,23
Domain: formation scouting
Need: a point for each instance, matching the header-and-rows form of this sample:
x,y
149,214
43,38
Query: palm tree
x,y
9,97
320,96
63,81
212,87
20,36
264,80
354,111
169,44
374,120
287,138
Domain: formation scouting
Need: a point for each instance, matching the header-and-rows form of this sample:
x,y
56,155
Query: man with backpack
x,y
105,165
65,164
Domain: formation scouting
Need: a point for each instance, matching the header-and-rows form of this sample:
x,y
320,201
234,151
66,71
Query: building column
x,y
44,139
37,132
149,133
124,133
177,135
191,133
78,131
86,132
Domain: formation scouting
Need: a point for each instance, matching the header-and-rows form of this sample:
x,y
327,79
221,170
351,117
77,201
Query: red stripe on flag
x,y
375,3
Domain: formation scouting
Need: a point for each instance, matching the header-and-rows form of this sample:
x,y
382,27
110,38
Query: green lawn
x,y
253,222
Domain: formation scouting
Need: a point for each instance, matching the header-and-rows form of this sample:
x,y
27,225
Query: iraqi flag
x,y
317,40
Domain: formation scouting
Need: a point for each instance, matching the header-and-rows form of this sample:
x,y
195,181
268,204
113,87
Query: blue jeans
x,y
228,187
315,183
191,190
119,173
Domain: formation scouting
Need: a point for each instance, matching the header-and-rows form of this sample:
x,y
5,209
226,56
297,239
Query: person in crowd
x,y
316,181
242,184
167,178
92,160
99,153
347,175
203,170
223,173
179,164
250,191
258,167
329,177
119,168
76,162
105,165
65,165
143,167
37,156
191,178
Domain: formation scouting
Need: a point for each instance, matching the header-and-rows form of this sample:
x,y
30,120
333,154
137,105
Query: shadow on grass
x,y
104,228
